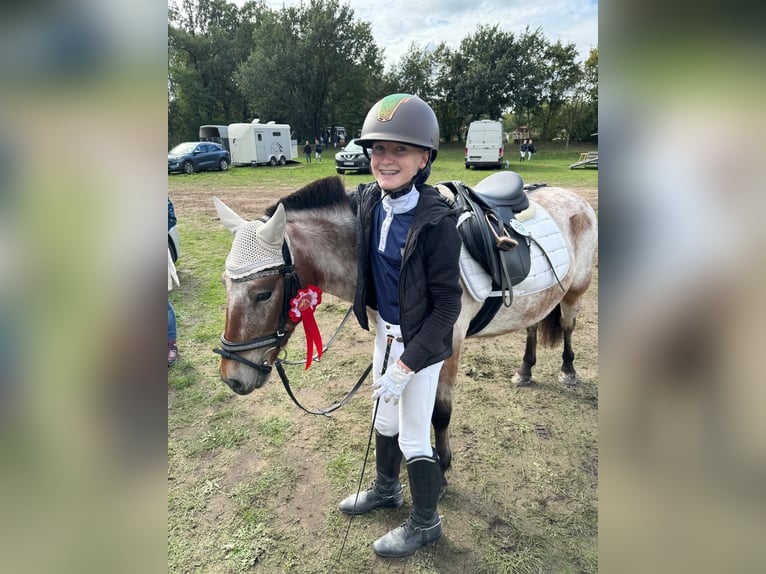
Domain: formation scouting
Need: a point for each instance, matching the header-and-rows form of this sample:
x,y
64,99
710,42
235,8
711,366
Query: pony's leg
x,y
523,375
569,310
443,412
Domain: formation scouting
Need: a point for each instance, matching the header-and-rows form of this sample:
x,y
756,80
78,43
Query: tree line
x,y
316,65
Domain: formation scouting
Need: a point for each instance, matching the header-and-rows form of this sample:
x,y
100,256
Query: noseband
x,y
232,350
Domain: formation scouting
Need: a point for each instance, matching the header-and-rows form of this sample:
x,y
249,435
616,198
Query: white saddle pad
x,y
548,236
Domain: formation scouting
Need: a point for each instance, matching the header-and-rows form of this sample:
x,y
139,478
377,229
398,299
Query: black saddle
x,y
492,235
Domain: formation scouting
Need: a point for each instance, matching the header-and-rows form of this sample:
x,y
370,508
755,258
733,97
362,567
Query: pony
x,y
309,238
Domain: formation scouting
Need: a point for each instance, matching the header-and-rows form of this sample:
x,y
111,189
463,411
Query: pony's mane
x,y
321,193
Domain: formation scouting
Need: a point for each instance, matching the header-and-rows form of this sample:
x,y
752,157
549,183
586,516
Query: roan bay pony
x,y
315,230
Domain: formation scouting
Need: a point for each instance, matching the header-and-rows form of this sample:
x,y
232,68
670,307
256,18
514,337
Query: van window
x,y
260,137
276,134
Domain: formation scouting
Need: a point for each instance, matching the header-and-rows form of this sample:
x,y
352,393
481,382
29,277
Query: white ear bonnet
x,y
251,254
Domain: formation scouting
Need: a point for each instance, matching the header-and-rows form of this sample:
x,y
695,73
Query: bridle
x,y
291,283
231,350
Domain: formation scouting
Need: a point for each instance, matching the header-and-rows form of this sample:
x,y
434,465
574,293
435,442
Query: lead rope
x,y
389,340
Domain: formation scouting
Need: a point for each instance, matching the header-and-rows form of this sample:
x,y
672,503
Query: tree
x,y
483,70
578,117
562,77
311,64
207,40
528,76
413,74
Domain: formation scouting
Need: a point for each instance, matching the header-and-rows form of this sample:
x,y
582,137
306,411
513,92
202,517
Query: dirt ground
x,y
522,494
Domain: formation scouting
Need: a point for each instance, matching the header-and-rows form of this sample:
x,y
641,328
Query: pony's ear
x,y
229,218
273,231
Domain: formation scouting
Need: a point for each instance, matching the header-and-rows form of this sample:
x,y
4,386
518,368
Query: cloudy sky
x,y
397,23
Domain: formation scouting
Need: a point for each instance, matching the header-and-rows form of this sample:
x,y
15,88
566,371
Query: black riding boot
x,y
386,490
424,526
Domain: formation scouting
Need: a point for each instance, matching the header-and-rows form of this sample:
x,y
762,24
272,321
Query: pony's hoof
x,y
569,379
521,380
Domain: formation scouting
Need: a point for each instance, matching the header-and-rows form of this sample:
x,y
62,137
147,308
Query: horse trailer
x,y
256,143
484,144
217,134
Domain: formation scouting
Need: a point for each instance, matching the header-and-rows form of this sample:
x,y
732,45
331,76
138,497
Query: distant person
x,y
530,150
523,150
318,151
307,151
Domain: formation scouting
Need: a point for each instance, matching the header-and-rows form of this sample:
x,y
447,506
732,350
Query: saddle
x,y
492,234
489,229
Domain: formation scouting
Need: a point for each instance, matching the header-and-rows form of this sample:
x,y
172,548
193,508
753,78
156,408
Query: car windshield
x,y
186,147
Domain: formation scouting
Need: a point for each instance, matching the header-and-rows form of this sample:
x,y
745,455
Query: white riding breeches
x,y
411,418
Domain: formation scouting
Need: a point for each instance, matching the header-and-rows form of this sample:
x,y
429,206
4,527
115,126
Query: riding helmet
x,y
403,118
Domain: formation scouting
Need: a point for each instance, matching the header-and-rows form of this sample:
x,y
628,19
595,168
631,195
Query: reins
x,y
286,382
331,408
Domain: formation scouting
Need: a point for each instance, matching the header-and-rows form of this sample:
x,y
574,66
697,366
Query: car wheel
x,y
223,165
188,167
273,161
282,160
340,171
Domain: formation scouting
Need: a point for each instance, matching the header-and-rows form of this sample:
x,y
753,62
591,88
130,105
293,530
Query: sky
x,y
397,23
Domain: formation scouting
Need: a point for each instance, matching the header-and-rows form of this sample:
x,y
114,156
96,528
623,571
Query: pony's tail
x,y
549,331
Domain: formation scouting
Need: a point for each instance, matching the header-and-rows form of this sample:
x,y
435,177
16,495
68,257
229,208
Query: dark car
x,y
351,158
189,157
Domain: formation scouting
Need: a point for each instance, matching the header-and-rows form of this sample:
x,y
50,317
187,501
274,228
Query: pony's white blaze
x,y
318,223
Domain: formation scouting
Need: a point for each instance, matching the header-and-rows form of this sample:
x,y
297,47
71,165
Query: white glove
x,y
392,383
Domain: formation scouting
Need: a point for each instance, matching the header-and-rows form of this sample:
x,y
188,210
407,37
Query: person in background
x,y
408,275
523,150
307,151
530,150
172,279
318,151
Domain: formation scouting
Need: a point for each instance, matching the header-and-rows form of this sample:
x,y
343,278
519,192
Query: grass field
x,y
550,164
253,482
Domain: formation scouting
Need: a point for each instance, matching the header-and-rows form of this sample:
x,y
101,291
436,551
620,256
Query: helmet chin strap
x,y
399,191
419,178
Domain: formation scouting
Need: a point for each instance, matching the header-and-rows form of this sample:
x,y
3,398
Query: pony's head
x,y
260,280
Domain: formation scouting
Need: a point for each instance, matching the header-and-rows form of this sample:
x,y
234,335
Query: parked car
x,y
189,157
352,158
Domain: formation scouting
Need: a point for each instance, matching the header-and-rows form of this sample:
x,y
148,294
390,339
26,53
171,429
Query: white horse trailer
x,y
215,133
256,143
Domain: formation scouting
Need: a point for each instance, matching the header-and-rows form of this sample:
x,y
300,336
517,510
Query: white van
x,y
484,144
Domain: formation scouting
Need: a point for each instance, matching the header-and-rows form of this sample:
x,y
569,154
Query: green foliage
x,y
306,59
207,40
315,65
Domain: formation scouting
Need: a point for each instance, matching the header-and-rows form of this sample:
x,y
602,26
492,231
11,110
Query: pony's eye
x,y
266,295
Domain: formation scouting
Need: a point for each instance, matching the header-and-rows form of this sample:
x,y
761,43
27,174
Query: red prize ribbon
x,y
302,309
